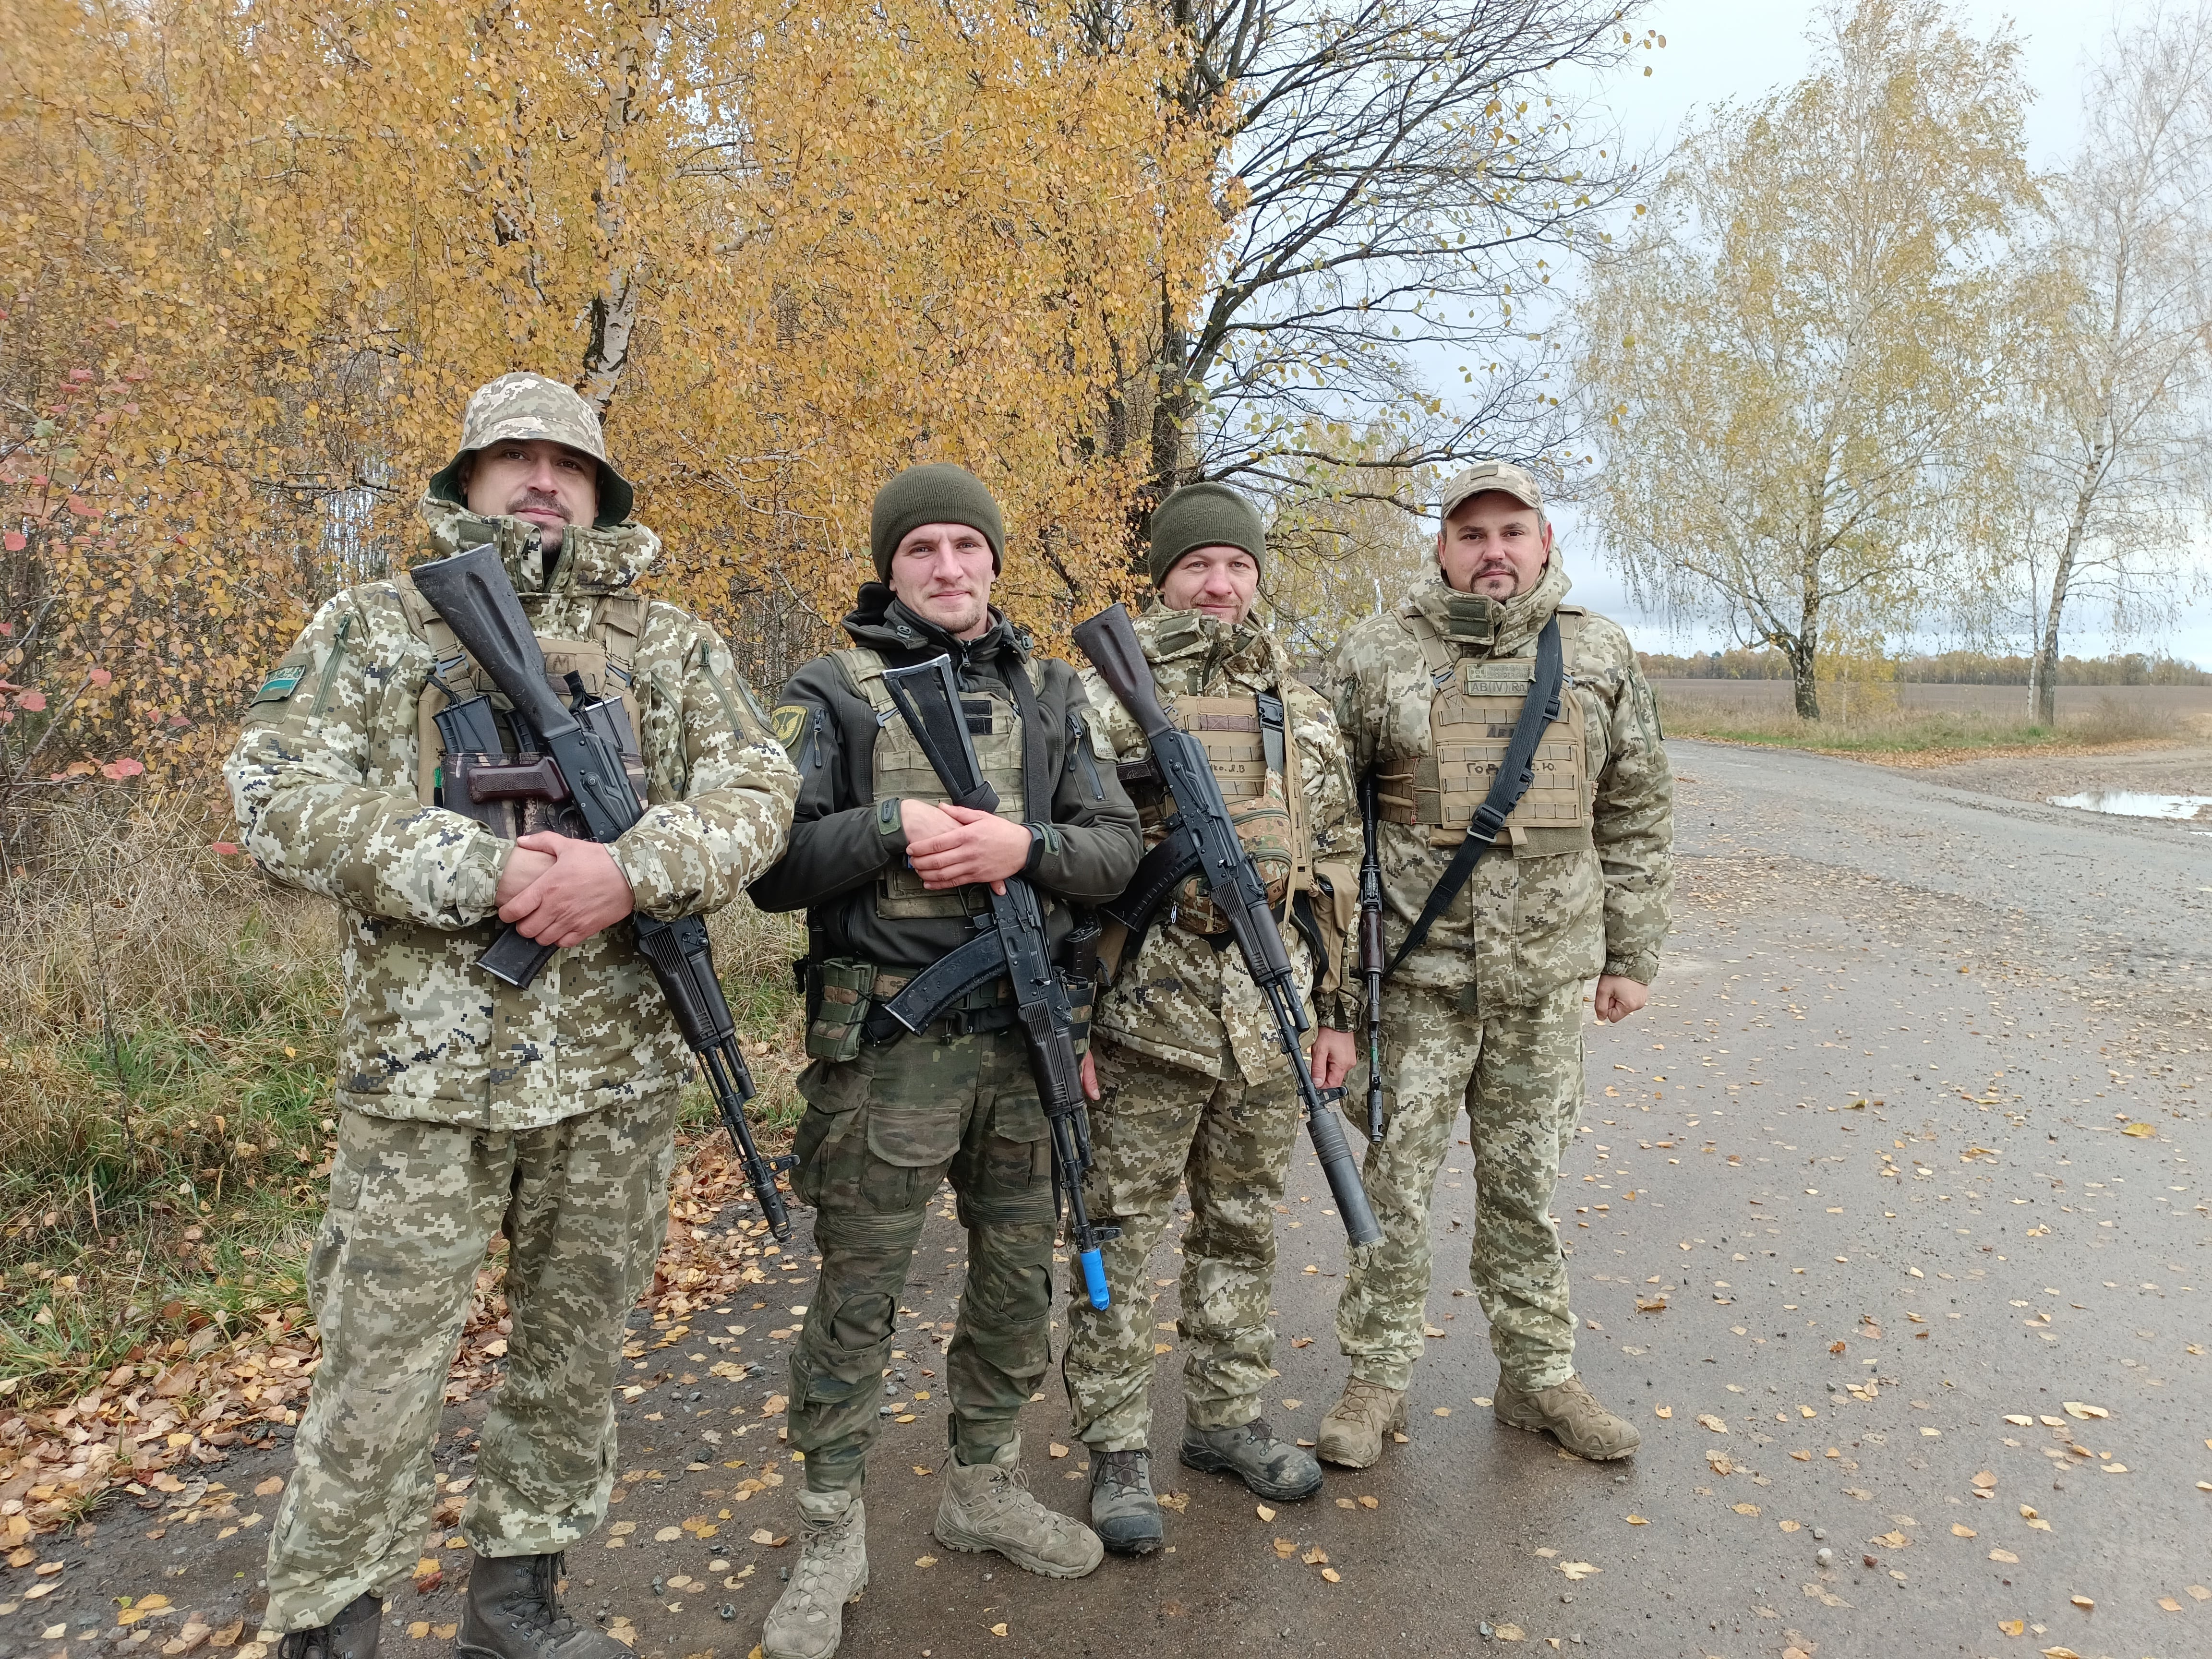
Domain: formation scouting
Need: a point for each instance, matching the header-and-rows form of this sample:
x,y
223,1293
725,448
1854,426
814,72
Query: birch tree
x,y
2118,429
1794,360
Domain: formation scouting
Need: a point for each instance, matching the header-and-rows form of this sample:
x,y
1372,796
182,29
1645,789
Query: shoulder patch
x,y
280,685
789,721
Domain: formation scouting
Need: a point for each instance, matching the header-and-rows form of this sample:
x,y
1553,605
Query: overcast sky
x,y
1736,50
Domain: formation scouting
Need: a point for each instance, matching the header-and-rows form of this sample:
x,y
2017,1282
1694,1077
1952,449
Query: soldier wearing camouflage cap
x,y
1194,1089
1483,1009
469,1108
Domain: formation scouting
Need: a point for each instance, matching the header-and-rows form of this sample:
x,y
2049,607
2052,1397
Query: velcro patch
x,y
789,721
280,685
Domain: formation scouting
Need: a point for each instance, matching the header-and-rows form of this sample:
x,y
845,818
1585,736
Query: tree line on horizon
x,y
1958,667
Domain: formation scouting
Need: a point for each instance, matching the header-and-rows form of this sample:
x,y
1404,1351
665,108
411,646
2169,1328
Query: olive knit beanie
x,y
939,493
1203,515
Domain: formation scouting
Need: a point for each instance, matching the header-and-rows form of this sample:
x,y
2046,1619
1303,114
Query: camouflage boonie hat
x,y
531,406
1490,475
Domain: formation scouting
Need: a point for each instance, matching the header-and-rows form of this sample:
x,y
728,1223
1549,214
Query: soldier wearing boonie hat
x,y
1492,936
467,1107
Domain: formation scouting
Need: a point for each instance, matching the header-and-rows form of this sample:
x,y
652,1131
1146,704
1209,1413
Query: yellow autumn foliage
x,y
252,260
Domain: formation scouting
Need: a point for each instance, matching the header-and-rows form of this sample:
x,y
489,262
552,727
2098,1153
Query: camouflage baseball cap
x,y
1490,475
531,406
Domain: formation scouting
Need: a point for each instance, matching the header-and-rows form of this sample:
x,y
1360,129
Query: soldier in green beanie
x,y
891,875
1191,1084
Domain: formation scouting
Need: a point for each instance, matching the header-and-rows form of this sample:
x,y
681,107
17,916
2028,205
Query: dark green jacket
x,y
841,844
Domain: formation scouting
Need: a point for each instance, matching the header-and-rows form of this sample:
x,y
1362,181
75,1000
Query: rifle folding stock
x,y
927,698
1212,847
580,755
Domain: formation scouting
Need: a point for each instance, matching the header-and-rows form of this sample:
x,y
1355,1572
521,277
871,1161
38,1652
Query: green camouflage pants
x,y
882,1132
1518,1077
1157,1127
414,1206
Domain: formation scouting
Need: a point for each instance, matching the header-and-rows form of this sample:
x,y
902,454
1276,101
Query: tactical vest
x,y
603,660
1472,709
900,770
1249,750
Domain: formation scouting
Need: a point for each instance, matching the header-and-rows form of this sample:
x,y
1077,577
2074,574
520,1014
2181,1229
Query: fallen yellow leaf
x,y
999,1629
2139,1131
1636,1521
925,1560
2005,1556
1263,1512
1332,1575
1958,1531
1663,1411
1707,1420
1746,1508
2083,1602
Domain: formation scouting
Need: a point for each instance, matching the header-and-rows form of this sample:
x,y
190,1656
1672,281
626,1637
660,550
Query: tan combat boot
x,y
987,1506
1352,1434
808,1619
1572,1417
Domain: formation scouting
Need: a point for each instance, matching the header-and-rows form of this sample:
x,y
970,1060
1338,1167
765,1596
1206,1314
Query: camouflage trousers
x,y
1159,1127
1518,1077
882,1132
413,1207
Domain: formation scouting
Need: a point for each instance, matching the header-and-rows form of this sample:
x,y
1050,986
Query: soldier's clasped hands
x,y
559,890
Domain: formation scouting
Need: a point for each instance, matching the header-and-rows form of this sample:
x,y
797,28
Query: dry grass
x,y
1881,729
168,1024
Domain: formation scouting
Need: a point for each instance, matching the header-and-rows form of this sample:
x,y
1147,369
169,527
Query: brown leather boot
x,y
1572,1415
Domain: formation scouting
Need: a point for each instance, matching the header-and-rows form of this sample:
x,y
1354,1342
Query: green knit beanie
x,y
939,493
1203,515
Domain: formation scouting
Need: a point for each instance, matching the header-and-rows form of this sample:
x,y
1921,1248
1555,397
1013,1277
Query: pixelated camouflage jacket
x,y
323,782
1523,926
1182,1001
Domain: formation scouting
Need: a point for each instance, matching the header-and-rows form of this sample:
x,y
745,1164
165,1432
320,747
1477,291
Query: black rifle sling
x,y
1514,774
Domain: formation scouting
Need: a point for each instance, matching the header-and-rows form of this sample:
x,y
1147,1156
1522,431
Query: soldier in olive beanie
x,y
1203,515
939,493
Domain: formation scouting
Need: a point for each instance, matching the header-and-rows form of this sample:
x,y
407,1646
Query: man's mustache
x,y
538,499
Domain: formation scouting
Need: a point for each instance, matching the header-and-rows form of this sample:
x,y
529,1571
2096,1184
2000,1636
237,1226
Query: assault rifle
x,y
1012,943
577,767
1373,958
1202,840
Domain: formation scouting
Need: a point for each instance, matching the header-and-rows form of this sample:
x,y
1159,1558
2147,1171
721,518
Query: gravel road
x,y
1935,1275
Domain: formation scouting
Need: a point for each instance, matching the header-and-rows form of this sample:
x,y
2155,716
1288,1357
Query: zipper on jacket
x,y
330,665
1078,748
813,754
729,707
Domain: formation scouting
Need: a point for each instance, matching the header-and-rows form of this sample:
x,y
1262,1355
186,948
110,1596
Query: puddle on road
x,y
2139,803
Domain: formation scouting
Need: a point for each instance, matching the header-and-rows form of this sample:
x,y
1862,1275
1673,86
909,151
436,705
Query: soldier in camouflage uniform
x,y
891,875
1484,1016
468,1109
1194,1087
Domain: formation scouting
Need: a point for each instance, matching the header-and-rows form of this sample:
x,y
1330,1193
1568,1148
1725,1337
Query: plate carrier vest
x,y
1472,709
604,659
899,770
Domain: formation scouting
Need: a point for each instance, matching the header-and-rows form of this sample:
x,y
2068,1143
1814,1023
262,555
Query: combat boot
x,y
1352,1434
1269,1467
1571,1416
808,1619
513,1611
351,1635
987,1506
1124,1512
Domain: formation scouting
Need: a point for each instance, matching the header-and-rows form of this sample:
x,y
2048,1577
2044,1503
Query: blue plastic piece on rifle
x,y
1094,1279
